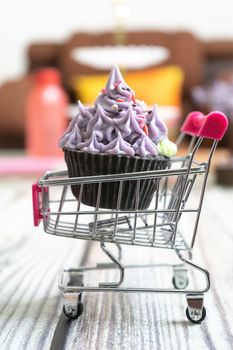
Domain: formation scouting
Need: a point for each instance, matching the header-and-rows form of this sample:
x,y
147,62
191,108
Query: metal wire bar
x,y
138,211
214,145
118,177
182,190
60,206
116,264
192,144
156,207
136,208
97,208
117,208
78,208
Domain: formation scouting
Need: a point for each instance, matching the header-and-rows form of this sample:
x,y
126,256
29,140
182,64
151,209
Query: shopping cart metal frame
x,y
155,227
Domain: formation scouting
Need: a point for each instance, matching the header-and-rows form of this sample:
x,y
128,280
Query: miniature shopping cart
x,y
159,226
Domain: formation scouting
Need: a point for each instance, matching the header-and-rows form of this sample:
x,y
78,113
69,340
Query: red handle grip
x,y
215,126
37,216
193,123
211,126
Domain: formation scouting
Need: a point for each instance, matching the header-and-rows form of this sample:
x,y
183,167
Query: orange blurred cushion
x,y
161,85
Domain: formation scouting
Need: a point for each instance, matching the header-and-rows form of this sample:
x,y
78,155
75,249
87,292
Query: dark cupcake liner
x,y
80,163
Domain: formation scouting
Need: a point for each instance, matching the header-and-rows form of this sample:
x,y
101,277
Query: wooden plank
x,y
29,265
158,321
31,303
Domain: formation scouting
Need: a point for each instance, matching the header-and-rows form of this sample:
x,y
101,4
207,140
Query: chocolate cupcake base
x,y
80,163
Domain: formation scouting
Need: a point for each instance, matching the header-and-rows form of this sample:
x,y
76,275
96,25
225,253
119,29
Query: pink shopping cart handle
x,y
211,126
37,216
215,126
192,124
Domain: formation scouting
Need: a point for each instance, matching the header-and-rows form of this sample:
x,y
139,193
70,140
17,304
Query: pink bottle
x,y
46,114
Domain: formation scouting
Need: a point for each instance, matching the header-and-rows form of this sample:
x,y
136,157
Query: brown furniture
x,y
190,53
12,98
185,50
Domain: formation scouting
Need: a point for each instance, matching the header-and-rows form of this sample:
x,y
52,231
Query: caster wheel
x,y
73,314
196,316
180,284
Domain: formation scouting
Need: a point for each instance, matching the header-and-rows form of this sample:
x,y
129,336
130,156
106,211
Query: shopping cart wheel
x,y
180,277
73,306
196,316
195,311
180,283
73,312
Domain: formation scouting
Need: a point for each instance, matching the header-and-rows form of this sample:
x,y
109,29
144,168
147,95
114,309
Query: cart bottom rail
x,y
71,283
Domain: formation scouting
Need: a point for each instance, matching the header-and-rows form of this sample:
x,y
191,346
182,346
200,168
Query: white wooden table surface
x,y
30,302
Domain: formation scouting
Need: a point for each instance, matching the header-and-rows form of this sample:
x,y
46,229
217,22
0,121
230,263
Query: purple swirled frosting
x,y
117,124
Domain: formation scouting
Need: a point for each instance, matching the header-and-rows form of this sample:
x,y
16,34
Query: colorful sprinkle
x,y
104,90
117,83
115,107
133,99
141,121
119,100
145,129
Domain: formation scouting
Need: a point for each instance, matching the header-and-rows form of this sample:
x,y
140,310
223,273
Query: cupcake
x,y
118,135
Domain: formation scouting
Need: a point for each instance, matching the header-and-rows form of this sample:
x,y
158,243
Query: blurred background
x,y
177,55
